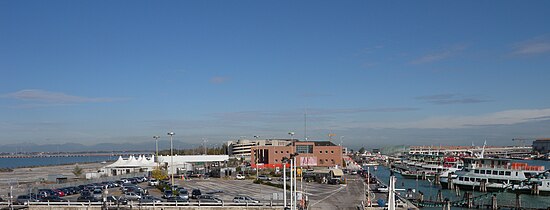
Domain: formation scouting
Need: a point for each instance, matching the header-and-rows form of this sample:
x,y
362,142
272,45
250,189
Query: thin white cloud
x,y
440,55
447,99
44,96
533,46
219,80
508,117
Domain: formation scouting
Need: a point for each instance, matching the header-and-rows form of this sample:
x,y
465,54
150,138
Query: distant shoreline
x,y
8,169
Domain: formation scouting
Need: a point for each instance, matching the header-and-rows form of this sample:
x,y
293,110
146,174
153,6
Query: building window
x,y
276,160
281,151
326,160
320,151
276,151
304,148
287,151
332,151
326,151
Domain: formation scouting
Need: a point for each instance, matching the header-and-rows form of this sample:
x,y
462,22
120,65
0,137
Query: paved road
x,y
321,196
346,196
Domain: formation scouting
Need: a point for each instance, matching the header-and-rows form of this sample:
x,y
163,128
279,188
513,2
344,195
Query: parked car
x,y
177,199
244,199
46,192
195,193
153,182
167,194
208,199
59,192
149,199
353,173
334,181
24,199
131,196
114,200
84,198
240,177
264,178
182,193
98,193
52,198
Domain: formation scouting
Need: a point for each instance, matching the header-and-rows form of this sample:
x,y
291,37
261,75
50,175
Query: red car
x,y
59,193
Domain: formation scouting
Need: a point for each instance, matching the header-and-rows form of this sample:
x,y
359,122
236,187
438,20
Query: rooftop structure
x,y
241,148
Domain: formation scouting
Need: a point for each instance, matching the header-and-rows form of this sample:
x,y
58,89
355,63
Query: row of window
x,y
320,160
494,172
321,152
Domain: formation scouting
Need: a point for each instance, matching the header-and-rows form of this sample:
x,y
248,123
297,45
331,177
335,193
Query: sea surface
x,y
45,161
430,191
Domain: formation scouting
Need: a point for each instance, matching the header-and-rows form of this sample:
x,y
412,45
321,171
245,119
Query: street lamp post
x,y
157,149
284,180
171,134
256,153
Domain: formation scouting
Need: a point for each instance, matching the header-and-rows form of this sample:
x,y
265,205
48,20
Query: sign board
x,y
308,161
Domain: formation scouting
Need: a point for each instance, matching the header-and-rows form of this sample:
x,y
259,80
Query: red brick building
x,y
310,154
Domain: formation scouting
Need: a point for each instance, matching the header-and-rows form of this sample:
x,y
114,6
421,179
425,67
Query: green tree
x,y
159,174
362,150
77,171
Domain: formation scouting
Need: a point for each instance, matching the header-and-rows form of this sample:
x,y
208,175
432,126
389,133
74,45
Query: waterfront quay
x,y
428,193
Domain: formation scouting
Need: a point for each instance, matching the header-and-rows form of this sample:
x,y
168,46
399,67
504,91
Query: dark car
x,y
24,199
149,199
52,199
176,199
46,192
334,181
87,199
264,178
167,194
114,200
195,193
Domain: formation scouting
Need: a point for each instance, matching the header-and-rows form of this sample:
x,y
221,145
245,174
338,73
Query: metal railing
x,y
136,203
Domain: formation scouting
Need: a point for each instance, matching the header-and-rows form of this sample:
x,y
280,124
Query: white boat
x,y
496,174
540,183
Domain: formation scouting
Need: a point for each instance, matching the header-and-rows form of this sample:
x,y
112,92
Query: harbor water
x,y
430,190
45,161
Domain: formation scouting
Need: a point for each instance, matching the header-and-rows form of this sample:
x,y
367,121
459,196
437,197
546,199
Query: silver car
x,y
131,196
244,199
208,199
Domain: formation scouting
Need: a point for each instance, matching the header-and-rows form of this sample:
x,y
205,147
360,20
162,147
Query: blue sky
x,y
373,72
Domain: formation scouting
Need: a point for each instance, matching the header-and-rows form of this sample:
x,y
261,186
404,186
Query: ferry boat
x,y
496,174
539,185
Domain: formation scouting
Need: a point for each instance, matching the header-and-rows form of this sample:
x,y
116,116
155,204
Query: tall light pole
x,y
292,173
157,146
171,134
284,160
256,159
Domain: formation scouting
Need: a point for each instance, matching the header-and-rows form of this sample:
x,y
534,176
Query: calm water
x,y
430,191
44,161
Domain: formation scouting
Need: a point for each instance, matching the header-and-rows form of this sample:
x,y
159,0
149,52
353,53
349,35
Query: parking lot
x,y
321,196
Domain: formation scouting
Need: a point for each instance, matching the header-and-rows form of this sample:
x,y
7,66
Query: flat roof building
x,y
542,145
241,148
309,154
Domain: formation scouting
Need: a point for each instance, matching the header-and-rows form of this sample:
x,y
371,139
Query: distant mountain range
x,y
105,147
